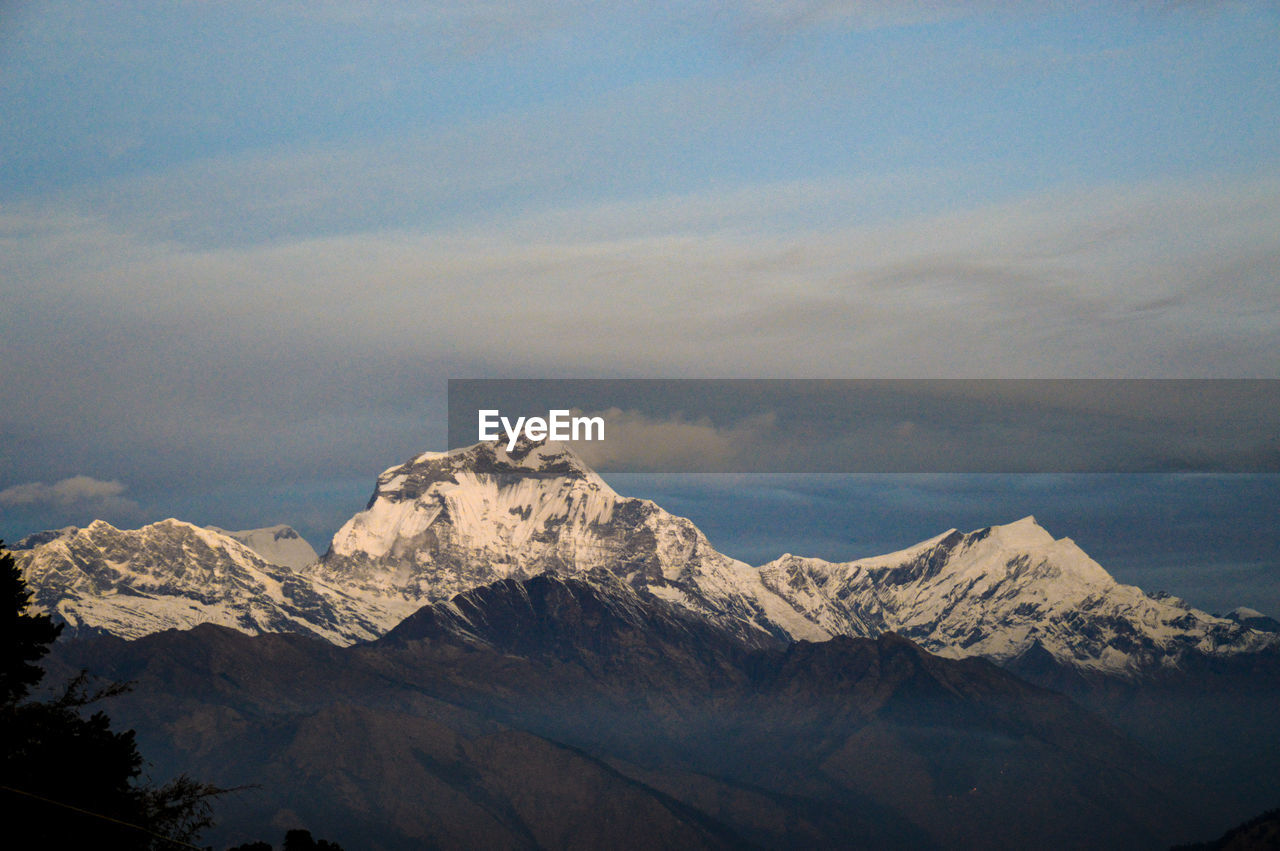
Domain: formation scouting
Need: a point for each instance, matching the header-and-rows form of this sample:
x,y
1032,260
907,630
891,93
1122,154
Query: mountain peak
x,y
1023,533
279,544
174,574
527,457
444,523
1253,619
999,591
488,493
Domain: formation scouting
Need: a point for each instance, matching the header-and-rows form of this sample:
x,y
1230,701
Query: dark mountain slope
x,y
1215,718
560,713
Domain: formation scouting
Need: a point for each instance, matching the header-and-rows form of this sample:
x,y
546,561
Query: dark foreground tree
x,y
71,778
300,840
26,637
294,840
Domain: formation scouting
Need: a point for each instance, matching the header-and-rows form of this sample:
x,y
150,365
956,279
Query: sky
x,y
243,246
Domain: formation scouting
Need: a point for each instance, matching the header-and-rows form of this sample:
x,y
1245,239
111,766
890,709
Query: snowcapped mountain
x,y
174,575
278,544
1000,593
1253,619
445,523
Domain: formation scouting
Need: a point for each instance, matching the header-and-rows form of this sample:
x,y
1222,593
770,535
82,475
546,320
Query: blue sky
x,y
244,245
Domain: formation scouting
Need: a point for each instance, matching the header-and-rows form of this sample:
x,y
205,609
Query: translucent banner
x,y
883,426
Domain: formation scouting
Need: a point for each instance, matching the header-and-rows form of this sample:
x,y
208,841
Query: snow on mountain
x,y
37,538
278,544
1253,619
174,575
445,523
1002,592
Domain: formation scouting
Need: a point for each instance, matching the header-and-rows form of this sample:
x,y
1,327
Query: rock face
x,y
444,524
174,575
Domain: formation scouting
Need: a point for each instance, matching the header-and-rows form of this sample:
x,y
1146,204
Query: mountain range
x,y
576,712
499,650
446,523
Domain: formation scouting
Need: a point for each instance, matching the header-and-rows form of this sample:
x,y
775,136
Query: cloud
x,y
73,491
634,441
260,362
1160,279
75,500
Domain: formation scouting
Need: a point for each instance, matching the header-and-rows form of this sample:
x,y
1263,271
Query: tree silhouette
x,y
71,778
294,840
300,840
26,636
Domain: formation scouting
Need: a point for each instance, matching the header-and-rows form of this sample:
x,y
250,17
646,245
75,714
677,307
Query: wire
x,y
103,817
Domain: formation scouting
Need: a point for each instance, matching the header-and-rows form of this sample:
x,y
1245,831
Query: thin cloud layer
x,y
243,245
77,489
636,441
1156,280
